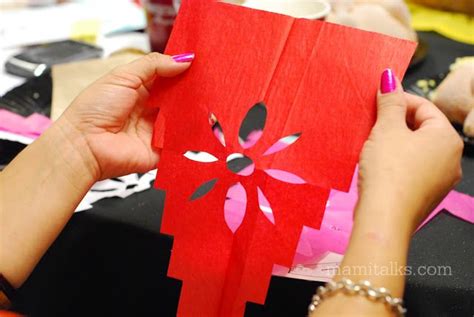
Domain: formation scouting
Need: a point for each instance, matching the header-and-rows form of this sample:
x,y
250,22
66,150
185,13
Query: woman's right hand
x,y
410,161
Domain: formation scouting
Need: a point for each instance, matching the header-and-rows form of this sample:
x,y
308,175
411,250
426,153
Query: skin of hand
x,y
113,119
408,164
411,160
105,132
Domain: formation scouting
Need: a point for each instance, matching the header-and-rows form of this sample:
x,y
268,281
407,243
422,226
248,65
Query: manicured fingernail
x,y
388,83
183,58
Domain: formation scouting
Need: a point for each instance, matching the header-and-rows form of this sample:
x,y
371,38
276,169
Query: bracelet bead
x,y
363,288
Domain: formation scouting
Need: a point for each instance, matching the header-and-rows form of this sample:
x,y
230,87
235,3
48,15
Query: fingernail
x,y
388,83
183,58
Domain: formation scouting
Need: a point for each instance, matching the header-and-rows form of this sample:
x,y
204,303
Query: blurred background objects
x,y
463,6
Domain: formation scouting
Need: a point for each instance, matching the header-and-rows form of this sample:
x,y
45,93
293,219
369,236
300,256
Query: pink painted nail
x,y
388,83
183,58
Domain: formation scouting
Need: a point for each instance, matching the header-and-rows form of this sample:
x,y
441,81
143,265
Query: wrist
x,y
377,252
385,214
70,147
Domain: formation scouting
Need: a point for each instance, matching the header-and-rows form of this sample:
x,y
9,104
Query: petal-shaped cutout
x,y
203,189
235,206
200,156
217,129
283,143
252,126
285,176
264,205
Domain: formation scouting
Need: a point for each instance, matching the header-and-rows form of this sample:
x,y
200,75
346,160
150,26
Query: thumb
x,y
391,104
144,70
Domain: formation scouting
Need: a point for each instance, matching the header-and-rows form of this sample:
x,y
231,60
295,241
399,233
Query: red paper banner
x,y
317,82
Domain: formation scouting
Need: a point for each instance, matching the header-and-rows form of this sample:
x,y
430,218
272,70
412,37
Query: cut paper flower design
x,y
251,130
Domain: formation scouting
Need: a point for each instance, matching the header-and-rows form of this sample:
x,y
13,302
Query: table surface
x,y
111,260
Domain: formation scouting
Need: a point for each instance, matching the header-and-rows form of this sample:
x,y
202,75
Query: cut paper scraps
x,y
457,204
21,129
320,251
120,187
25,130
315,85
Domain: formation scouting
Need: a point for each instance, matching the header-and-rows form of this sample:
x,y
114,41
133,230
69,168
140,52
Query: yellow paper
x,y
456,26
85,31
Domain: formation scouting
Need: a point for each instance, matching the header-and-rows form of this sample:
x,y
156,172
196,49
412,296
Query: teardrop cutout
x,y
200,156
283,143
264,206
252,125
235,206
203,189
217,130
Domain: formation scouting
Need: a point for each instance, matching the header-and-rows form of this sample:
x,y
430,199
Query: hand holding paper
x,y
112,118
410,166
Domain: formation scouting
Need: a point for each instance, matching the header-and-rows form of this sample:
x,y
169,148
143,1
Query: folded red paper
x,y
317,82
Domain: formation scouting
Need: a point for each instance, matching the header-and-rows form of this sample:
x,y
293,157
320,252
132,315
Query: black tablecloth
x,y
111,260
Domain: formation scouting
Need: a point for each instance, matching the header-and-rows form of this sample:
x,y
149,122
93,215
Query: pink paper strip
x,y
30,127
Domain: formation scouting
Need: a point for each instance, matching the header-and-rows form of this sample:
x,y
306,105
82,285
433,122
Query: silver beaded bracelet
x,y
363,288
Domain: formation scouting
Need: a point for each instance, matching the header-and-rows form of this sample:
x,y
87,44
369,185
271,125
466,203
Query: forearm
x,y
377,252
39,191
